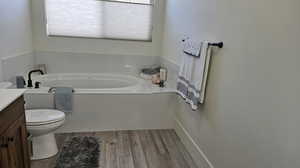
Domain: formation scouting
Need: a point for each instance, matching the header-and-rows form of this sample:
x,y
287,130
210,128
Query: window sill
x,y
116,39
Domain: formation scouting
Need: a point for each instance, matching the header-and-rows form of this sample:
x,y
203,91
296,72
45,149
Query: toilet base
x,y
44,146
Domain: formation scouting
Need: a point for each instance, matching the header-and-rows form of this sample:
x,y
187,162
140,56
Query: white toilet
x,y
41,123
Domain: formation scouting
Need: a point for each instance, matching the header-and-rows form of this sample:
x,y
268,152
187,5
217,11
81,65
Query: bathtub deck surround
x,y
122,98
103,111
134,149
90,83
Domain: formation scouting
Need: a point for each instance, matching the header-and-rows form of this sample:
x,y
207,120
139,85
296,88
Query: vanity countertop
x,y
7,96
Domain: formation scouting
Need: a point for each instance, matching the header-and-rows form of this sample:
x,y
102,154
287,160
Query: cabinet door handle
x,y
10,139
4,145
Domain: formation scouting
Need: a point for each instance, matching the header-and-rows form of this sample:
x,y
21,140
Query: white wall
x,y
95,46
64,62
15,29
251,115
17,65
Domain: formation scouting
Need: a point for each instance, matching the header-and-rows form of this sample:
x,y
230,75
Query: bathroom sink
x,y
5,85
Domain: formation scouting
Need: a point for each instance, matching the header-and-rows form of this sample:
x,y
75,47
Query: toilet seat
x,y
43,117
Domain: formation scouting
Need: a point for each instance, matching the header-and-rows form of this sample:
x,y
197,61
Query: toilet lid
x,y
43,116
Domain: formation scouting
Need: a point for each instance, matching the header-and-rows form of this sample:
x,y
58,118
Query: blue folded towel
x,y
63,99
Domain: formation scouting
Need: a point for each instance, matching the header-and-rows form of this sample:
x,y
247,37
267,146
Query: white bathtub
x,y
107,102
91,83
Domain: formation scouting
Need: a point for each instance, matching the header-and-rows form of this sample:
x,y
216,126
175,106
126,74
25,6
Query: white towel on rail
x,y
192,76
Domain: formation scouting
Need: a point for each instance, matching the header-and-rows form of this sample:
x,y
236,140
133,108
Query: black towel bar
x,y
220,44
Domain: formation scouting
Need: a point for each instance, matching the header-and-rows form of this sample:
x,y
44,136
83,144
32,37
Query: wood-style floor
x,y
133,149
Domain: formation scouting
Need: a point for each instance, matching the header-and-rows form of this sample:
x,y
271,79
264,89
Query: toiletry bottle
x,y
163,74
20,82
163,77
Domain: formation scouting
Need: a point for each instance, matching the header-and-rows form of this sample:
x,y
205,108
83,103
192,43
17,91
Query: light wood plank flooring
x,y
133,149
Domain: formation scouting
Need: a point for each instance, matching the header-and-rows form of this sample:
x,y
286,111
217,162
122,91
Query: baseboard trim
x,y
197,154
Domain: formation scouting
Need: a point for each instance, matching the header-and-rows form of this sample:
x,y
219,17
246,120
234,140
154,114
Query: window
x,y
111,19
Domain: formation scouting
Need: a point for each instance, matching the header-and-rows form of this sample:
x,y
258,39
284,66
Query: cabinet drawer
x,y
11,113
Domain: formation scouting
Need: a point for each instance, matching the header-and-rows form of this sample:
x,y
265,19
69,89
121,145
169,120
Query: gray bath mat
x,y
79,152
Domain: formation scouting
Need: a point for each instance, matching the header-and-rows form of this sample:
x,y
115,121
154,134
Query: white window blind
x,y
112,19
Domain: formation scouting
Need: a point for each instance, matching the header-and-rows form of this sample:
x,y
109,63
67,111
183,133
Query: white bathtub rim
x,y
134,81
141,87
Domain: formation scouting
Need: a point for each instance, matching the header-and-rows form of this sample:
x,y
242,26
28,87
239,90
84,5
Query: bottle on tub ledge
x,y
160,78
163,77
157,75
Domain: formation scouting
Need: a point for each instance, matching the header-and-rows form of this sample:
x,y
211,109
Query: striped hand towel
x,y
193,75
